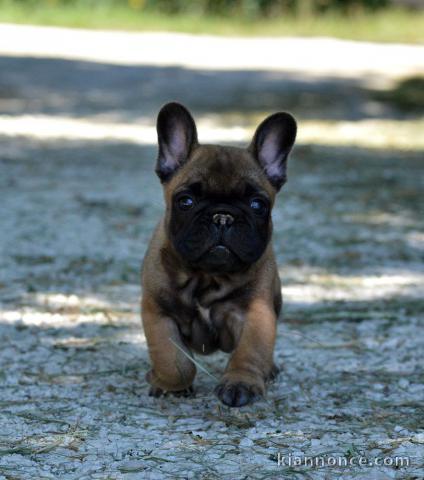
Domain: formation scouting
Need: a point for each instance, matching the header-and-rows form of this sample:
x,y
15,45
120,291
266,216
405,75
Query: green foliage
x,y
247,18
234,8
408,95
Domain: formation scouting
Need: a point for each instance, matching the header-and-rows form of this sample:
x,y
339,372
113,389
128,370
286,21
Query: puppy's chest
x,y
208,309
201,299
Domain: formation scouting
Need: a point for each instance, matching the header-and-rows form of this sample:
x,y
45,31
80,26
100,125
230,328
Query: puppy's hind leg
x,y
172,369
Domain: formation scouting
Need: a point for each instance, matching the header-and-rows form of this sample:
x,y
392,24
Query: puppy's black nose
x,y
223,219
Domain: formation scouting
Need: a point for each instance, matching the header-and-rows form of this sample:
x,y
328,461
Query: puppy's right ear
x,y
177,135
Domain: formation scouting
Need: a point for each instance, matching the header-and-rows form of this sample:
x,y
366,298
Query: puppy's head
x,y
219,199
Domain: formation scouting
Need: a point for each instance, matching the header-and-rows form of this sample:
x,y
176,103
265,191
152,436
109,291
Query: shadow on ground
x,y
132,93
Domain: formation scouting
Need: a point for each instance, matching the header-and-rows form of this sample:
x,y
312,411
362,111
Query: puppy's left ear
x,y
271,145
177,135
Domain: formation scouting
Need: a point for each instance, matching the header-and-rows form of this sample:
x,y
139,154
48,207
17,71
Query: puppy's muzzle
x,y
223,219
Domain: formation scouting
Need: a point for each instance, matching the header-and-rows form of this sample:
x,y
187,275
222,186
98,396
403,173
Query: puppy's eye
x,y
258,206
185,202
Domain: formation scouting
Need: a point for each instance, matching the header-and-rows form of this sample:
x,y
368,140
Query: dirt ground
x,y
79,200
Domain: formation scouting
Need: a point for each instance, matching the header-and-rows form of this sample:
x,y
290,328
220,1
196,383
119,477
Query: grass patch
x,y
389,25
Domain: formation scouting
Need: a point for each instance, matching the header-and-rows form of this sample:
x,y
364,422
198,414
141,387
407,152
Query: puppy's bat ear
x,y
177,135
271,145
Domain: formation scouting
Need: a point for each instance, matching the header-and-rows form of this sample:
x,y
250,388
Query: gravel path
x,y
76,214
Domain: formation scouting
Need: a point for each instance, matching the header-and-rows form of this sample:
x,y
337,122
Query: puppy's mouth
x,y
219,254
219,258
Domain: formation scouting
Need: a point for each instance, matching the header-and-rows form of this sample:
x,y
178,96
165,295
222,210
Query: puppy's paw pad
x,y
158,392
237,394
155,392
187,392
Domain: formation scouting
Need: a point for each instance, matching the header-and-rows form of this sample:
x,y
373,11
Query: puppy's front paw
x,y
238,394
163,385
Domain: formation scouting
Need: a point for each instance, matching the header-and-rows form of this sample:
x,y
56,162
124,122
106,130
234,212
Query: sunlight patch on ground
x,y
59,300
415,240
57,309
324,287
28,316
402,134
312,57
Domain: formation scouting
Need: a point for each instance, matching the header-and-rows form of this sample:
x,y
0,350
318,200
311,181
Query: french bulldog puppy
x,y
209,278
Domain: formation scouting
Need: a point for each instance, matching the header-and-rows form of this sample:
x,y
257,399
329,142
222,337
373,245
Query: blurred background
x,y
81,83
383,20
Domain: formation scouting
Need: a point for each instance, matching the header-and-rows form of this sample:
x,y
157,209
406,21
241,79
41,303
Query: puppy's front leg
x,y
251,363
172,370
